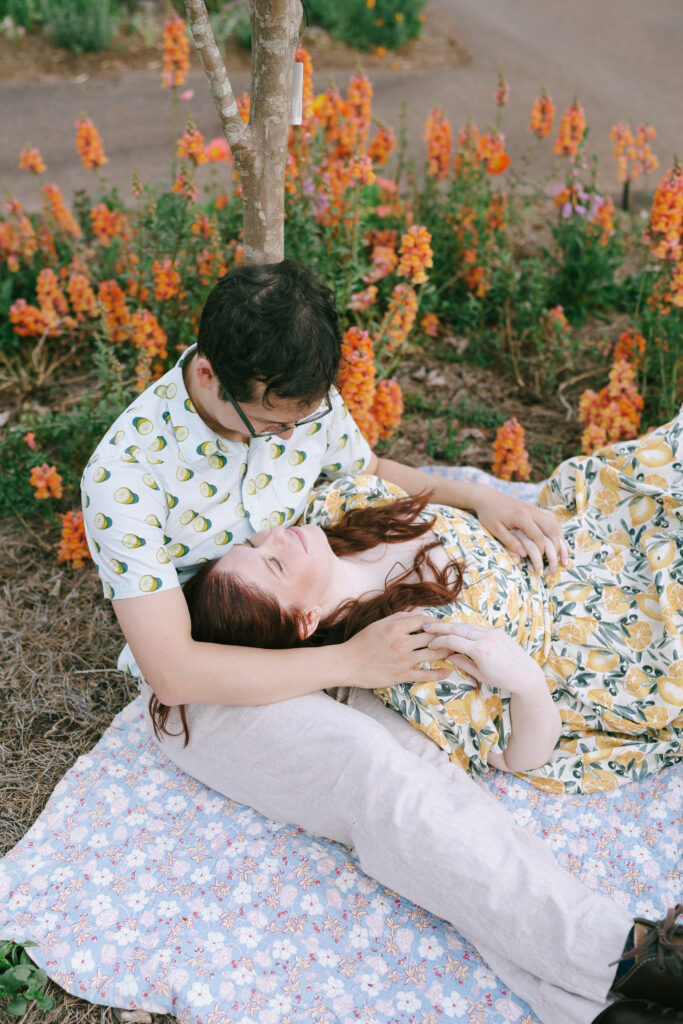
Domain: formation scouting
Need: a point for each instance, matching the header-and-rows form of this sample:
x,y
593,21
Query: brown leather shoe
x,y
630,1011
653,970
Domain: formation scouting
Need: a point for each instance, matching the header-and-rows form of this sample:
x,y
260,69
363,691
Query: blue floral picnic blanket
x,y
144,889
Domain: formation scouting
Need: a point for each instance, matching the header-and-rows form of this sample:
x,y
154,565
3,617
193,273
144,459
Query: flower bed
x,y
101,295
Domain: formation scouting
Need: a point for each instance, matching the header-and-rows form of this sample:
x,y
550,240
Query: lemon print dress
x,y
607,629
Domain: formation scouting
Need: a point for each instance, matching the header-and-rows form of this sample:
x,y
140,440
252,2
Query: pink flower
x,y
217,150
186,95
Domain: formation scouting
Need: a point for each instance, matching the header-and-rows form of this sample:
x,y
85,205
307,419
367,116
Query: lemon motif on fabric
x,y
124,496
607,630
143,425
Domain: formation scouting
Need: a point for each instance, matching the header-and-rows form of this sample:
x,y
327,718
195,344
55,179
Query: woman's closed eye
x,y
272,560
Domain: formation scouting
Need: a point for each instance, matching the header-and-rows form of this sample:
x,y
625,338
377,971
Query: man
x,y
231,441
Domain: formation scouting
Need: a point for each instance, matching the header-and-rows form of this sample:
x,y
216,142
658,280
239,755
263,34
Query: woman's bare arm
x,y
494,658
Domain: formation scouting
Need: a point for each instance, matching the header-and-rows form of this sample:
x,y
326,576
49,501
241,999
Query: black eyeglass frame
x,y
276,427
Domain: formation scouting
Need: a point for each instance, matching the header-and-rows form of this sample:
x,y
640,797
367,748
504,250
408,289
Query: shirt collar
x,y
194,437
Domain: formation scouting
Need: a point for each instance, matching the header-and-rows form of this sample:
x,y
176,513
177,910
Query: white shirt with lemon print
x,y
162,493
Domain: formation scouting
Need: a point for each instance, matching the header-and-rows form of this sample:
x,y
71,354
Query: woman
x,y
574,680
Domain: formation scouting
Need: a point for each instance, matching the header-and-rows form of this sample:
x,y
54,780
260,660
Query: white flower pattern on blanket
x,y
145,889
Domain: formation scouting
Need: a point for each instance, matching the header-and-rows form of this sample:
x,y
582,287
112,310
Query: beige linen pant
x,y
362,775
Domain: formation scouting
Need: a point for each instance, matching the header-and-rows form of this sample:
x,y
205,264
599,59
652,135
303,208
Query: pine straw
x,y
60,691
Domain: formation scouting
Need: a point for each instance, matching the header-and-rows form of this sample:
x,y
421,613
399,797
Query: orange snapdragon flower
x,y
18,241
47,482
556,322
416,254
360,301
430,325
601,224
387,407
359,99
400,315
384,259
614,413
147,334
183,185
217,150
82,297
571,132
496,214
510,457
31,160
116,313
89,144
191,145
491,149
73,546
356,380
167,280
53,304
27,321
665,231
56,210
382,145
244,106
437,135
634,150
467,158
108,224
210,265
542,116
630,347
176,57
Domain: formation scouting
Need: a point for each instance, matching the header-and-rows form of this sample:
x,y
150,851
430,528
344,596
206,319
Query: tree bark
x,y
259,148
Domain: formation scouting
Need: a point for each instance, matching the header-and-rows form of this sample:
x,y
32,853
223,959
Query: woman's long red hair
x,y
225,610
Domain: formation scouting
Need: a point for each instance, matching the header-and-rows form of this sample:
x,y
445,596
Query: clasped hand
x,y
389,651
490,655
524,529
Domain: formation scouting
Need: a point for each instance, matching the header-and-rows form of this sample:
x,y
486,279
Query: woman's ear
x,y
311,618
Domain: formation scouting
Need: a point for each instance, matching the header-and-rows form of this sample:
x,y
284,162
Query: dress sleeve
x,y
330,500
124,514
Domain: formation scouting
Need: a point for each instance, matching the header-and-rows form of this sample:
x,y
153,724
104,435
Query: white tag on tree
x,y
297,93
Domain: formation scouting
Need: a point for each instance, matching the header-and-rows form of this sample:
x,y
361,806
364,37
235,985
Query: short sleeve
x,y
347,452
329,501
124,514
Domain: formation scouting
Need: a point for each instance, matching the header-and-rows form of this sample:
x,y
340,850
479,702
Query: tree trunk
x,y
259,148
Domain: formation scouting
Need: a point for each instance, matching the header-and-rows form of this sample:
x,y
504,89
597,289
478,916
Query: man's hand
x,y
388,651
524,529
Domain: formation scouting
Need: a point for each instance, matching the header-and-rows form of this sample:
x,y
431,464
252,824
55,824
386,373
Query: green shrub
x,y
22,12
81,25
364,23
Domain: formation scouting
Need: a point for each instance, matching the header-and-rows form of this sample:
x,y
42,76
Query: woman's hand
x,y
487,654
494,658
524,529
387,652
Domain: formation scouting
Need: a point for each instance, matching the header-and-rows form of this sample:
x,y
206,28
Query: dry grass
x,y
60,691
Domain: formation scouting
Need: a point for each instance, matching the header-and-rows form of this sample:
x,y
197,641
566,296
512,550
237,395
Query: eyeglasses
x,y
277,428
